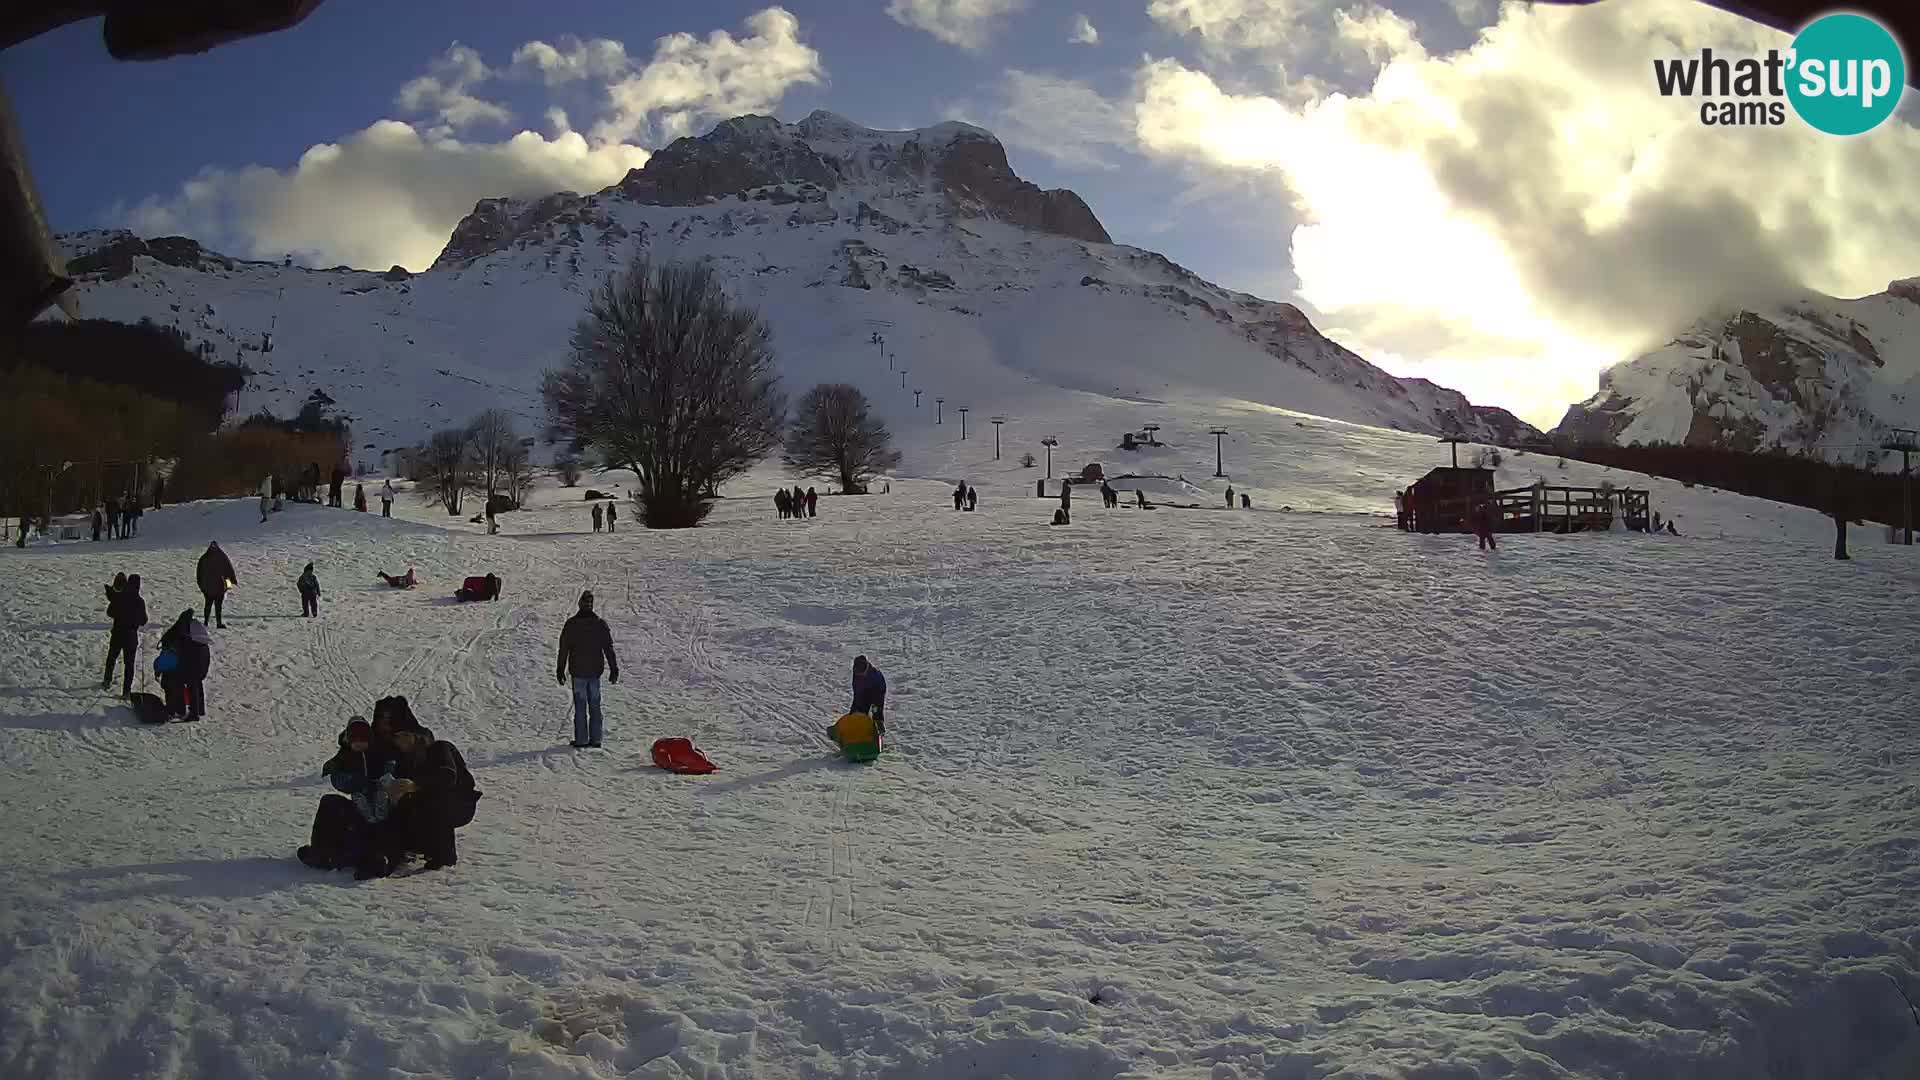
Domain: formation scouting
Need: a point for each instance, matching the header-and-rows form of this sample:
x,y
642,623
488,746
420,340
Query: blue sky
x,y
1489,196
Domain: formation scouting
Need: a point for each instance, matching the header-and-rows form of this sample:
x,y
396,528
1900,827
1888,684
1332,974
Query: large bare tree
x,y
669,377
447,463
494,442
834,435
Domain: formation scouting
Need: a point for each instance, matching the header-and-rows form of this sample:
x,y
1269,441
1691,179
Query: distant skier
x,y
613,515
813,503
360,497
386,499
309,587
586,646
596,517
214,574
128,612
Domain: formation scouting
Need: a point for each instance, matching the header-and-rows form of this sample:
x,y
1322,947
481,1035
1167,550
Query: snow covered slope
x,y
1187,794
990,292
1816,375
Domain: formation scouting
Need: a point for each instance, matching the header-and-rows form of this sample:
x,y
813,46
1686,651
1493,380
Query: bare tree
x,y
671,378
447,468
568,466
517,470
834,435
494,441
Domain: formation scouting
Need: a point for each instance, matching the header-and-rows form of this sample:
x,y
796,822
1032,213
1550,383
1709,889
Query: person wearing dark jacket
x,y
434,794
973,497
188,642
1066,501
344,824
96,524
870,693
613,516
338,481
813,503
360,498
596,517
309,587
214,574
586,646
129,613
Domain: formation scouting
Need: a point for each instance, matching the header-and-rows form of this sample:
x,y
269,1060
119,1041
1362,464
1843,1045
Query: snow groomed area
x,y
1168,793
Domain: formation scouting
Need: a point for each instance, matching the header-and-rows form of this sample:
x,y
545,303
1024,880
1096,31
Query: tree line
x,y
1857,493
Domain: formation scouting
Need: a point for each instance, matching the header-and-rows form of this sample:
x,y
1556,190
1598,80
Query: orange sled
x,y
678,755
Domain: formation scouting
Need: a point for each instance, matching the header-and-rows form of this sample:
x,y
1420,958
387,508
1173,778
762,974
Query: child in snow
x,y
405,582
309,593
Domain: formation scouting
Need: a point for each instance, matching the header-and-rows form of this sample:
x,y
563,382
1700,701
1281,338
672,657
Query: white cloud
x,y
1237,24
1083,32
1375,35
442,92
1062,119
600,58
393,192
387,195
690,81
965,23
1471,12
1530,208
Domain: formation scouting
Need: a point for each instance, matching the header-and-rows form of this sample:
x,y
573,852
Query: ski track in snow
x,y
1179,793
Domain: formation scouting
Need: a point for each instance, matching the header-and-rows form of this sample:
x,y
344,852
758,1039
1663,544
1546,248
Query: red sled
x,y
678,755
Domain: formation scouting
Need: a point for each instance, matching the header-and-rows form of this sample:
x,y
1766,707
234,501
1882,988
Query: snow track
x,y
1190,794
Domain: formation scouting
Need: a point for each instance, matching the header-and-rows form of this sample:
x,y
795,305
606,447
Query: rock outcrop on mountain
x,y
979,281
1812,375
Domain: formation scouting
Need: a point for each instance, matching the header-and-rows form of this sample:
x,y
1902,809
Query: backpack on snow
x,y
148,708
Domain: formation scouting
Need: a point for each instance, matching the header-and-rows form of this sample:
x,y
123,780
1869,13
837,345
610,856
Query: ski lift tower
x,y
963,423
938,411
997,421
1050,442
1907,441
1219,469
1453,443
1153,439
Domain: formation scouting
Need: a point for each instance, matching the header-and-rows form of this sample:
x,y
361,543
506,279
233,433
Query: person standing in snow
x,y
1066,501
1229,496
214,574
191,647
386,498
96,524
128,612
130,513
309,593
360,497
1483,526
960,495
586,646
596,517
780,503
493,525
870,693
339,480
159,490
813,503
113,516
612,516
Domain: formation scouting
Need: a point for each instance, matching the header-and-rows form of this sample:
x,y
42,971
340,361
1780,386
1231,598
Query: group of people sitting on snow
x,y
401,793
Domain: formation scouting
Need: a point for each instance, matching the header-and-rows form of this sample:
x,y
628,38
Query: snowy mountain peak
x,y
1808,374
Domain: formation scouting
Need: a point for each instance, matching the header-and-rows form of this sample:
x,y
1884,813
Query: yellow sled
x,y
856,737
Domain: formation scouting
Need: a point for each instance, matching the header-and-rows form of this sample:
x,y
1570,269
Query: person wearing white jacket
x,y
386,499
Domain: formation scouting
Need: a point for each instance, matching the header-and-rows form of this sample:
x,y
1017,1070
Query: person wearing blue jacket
x,y
869,693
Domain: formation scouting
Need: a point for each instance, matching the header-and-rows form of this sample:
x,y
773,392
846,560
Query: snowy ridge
x,y
837,232
1813,374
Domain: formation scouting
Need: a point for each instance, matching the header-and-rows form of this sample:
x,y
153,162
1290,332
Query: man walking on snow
x,y
386,499
214,574
586,645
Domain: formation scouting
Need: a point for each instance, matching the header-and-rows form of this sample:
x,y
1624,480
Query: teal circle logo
x,y
1846,74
